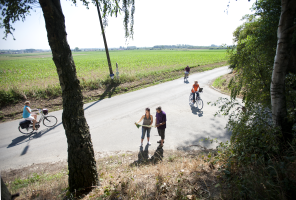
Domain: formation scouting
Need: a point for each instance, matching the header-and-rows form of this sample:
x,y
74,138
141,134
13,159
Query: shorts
x,y
161,133
186,72
30,118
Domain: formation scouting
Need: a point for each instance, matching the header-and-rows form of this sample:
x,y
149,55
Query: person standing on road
x,y
148,120
28,115
160,123
194,90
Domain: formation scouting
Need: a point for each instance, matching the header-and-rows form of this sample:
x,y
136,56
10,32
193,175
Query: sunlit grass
x,y
27,70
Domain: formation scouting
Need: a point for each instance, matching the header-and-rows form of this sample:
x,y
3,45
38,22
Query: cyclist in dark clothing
x,y
187,70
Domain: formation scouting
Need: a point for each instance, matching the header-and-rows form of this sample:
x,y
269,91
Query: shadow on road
x,y
110,90
198,142
27,138
143,157
196,111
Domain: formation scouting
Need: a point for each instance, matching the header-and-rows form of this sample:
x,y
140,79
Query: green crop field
x,y
27,71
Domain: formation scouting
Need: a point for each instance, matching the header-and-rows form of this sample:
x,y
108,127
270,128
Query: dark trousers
x,y
197,93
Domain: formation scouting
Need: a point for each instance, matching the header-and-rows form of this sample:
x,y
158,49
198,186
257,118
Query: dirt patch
x,y
14,112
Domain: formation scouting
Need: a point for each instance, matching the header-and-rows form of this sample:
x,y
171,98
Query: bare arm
x,y
28,110
140,119
151,119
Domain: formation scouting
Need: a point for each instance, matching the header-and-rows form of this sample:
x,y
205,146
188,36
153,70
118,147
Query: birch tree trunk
x,y
81,161
281,62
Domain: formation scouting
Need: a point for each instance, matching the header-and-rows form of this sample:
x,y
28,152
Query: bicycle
x,y
198,101
26,126
186,75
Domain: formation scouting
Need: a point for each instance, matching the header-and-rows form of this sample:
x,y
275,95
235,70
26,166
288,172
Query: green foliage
x,y
252,57
257,163
12,11
10,97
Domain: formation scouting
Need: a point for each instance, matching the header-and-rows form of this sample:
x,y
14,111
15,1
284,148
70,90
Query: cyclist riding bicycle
x,y
28,115
187,70
194,90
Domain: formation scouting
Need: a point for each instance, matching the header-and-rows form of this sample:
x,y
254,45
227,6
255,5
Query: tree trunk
x,y
104,38
281,62
81,161
5,194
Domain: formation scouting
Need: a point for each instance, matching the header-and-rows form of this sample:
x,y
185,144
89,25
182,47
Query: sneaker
x,y
149,143
141,144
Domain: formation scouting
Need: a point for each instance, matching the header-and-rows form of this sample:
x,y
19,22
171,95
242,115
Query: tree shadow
x,y
110,90
143,156
206,143
196,111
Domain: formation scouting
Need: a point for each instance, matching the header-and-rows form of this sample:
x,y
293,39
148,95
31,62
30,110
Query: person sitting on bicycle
x,y
28,115
194,90
187,70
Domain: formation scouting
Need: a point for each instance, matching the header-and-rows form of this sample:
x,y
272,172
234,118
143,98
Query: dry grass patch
x,y
163,175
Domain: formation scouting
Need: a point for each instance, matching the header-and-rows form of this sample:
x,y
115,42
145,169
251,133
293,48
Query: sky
x,y
157,22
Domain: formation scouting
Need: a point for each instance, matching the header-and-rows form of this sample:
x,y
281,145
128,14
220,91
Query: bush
x,y
11,96
257,163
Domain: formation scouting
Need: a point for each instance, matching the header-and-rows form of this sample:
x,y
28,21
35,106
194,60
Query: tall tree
x,y
284,60
81,161
281,62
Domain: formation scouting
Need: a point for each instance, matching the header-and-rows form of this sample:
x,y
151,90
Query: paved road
x,y
111,123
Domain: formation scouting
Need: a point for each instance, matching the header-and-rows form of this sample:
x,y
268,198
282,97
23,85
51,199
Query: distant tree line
x,y
186,46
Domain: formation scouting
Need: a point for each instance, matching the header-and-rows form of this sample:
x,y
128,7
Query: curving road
x,y
111,123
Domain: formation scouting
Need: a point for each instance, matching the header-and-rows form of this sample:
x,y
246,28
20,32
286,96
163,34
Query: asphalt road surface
x,y
112,127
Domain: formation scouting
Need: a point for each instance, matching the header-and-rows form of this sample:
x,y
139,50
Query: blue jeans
x,y
197,93
144,129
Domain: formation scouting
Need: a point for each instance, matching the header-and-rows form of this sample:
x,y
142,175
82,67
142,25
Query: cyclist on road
x,y
187,70
28,115
194,90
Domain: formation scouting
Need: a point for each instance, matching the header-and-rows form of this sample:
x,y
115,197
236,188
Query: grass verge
x,y
221,83
169,175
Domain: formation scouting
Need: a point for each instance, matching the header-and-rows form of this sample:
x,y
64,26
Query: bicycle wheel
x,y
199,104
191,98
50,121
26,130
